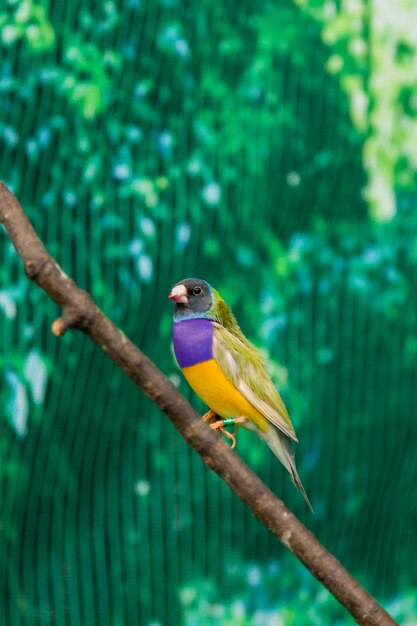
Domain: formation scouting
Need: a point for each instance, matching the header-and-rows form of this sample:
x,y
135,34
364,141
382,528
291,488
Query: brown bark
x,y
79,311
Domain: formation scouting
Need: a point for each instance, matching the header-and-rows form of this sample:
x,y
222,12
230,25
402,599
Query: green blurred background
x,y
271,148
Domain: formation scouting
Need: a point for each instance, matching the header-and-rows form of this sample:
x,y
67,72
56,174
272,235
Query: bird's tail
x,y
281,446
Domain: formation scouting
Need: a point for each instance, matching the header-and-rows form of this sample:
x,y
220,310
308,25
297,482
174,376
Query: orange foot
x,y
207,417
220,424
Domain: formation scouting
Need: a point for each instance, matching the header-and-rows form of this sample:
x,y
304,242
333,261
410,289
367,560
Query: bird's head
x,y
193,298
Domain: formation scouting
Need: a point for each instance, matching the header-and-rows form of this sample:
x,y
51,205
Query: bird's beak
x,y
179,294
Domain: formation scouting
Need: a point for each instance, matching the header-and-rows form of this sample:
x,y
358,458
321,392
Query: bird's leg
x,y
207,417
237,421
220,424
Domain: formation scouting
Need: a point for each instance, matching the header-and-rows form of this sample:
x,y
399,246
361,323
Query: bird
x,y
227,372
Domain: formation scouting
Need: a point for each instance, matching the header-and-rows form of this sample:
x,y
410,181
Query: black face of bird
x,y
192,297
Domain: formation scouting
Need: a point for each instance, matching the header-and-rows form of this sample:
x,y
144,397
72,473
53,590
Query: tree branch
x,y
79,311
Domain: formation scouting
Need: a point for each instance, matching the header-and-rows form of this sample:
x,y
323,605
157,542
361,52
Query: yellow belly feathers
x,y
220,395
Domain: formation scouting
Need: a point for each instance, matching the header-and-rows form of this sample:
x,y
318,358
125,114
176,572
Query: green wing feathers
x,y
245,368
248,393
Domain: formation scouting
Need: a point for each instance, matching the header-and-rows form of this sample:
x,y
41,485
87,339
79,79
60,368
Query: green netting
x,y
268,147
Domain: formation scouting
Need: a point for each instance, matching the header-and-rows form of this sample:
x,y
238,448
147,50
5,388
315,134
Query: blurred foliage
x,y
26,21
270,142
265,595
374,53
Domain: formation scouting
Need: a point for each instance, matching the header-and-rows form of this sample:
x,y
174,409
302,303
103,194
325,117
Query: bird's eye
x,y
197,291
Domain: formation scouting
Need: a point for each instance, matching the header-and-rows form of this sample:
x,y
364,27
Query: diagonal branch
x,y
79,311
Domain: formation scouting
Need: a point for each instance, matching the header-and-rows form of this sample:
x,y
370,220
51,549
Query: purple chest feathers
x,y
193,341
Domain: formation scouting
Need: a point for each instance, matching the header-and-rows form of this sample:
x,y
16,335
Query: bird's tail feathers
x,y
282,447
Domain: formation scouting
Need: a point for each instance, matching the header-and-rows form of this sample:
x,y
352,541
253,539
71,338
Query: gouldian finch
x,y
227,371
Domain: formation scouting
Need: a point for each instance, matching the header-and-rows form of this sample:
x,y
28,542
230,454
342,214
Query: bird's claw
x,y
207,417
219,425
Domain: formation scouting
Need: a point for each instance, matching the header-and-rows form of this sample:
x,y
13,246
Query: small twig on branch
x,y
79,311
